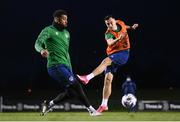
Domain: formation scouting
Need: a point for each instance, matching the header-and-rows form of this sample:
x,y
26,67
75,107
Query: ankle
x,y
90,76
104,102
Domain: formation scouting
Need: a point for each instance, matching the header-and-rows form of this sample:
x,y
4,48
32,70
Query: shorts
x,y
118,59
63,75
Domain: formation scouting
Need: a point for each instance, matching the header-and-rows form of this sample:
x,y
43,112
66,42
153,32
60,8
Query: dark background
x,y
154,60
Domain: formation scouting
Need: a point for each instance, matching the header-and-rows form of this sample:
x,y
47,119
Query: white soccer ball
x,y
129,101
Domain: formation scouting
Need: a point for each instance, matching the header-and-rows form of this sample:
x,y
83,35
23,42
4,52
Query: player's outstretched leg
x,y
86,78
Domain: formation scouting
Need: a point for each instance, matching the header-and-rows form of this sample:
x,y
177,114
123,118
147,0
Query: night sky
x,y
154,59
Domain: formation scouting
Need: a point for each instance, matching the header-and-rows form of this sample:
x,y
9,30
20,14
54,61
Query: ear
x,y
56,19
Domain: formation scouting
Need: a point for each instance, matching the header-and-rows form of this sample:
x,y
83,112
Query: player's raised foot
x,y
83,79
95,113
102,108
45,108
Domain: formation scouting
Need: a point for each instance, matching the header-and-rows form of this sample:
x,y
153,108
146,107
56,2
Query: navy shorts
x,y
63,75
118,59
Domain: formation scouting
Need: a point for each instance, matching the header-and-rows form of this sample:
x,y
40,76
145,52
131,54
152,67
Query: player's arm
x,y
111,40
39,44
133,27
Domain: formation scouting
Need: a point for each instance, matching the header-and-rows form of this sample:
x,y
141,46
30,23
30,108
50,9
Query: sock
x,y
90,76
62,96
77,88
104,102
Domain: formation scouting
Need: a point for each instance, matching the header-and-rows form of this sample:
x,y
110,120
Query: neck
x,y
114,27
57,26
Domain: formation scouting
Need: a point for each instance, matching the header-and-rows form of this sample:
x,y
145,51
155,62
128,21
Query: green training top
x,y
110,35
57,43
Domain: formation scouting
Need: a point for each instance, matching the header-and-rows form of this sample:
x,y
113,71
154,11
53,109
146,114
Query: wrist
x,y
41,50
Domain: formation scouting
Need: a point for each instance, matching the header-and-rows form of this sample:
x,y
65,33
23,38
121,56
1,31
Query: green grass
x,y
84,116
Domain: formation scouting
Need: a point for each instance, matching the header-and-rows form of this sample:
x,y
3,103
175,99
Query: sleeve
x,y
69,61
109,36
43,36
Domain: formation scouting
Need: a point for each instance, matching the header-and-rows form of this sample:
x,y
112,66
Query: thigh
x,y
66,74
120,57
112,68
107,61
62,74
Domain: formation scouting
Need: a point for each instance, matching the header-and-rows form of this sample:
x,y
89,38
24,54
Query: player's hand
x,y
44,53
135,26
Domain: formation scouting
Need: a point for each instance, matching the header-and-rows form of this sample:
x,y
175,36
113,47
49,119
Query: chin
x,y
65,25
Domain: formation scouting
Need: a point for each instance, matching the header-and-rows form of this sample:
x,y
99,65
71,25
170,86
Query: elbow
x,y
36,47
110,44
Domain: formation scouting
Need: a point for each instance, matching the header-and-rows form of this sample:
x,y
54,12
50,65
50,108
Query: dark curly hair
x,y
59,12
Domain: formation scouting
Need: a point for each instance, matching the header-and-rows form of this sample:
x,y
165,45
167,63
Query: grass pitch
x,y
84,116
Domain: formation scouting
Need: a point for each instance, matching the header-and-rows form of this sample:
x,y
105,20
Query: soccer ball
x,y
128,101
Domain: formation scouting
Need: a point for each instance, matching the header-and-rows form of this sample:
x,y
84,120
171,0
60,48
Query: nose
x,y
66,22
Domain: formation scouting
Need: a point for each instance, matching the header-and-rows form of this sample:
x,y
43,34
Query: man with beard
x,y
53,44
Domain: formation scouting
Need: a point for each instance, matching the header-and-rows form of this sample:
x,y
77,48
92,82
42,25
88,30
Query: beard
x,y
58,26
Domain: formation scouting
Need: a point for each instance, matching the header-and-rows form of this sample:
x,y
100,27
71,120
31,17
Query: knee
x,y
108,81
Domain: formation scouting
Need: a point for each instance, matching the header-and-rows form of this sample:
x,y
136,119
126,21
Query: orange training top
x,y
123,44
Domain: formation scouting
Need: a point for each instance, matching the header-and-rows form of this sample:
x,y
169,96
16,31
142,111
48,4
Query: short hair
x,y
107,17
59,13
